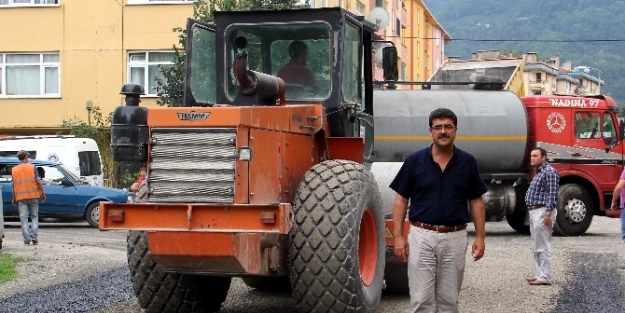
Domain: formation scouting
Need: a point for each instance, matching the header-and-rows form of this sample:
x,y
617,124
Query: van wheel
x,y
92,215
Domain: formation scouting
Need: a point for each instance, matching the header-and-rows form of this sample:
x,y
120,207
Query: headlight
x,y
245,154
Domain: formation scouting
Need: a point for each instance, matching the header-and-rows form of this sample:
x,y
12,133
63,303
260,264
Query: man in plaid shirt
x,y
541,200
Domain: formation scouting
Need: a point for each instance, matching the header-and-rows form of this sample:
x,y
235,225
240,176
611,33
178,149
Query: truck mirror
x,y
389,63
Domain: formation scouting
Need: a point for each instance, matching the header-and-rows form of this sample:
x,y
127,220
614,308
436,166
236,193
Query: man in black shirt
x,y
438,180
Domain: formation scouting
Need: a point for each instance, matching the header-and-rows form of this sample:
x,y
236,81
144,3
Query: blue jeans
x,y
623,224
28,208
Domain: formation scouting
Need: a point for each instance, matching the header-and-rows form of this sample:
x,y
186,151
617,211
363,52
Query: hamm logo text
x,y
192,116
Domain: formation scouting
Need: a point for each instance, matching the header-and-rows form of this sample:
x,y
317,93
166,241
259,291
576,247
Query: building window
x,y
398,27
29,74
403,71
379,3
27,2
158,1
144,68
418,50
360,8
418,16
437,37
403,35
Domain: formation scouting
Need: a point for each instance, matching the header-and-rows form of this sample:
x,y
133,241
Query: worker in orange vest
x,y
27,190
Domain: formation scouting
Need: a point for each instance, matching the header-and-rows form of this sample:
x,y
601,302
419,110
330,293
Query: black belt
x,y
439,229
534,207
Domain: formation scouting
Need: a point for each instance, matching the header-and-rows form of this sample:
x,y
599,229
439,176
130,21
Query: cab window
x,y
587,125
298,53
609,130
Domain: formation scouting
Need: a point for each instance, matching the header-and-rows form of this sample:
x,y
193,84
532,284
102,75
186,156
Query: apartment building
x,y
64,58
550,77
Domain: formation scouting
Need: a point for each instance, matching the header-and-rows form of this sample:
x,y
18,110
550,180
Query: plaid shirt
x,y
543,189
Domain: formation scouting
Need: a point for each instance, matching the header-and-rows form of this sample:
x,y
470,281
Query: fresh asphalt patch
x,y
594,284
79,296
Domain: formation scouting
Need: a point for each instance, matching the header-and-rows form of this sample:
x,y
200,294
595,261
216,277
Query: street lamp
x,y
586,69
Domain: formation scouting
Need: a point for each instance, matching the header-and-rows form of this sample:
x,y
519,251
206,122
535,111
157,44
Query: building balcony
x,y
538,85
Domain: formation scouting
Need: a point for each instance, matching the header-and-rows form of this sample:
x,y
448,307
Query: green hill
x,y
568,28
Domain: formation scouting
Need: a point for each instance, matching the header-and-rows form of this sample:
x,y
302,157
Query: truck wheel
x,y
575,211
268,283
92,215
337,250
517,219
158,291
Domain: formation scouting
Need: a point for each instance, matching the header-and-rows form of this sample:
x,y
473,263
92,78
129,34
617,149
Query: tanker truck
x,y
582,135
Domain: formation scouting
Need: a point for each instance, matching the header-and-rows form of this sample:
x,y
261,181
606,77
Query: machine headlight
x,y
245,153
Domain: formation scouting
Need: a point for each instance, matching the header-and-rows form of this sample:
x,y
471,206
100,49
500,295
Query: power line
x,y
517,40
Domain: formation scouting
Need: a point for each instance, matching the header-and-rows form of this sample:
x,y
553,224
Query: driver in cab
x,y
296,71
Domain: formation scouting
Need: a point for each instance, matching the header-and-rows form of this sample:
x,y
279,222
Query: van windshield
x,y
89,163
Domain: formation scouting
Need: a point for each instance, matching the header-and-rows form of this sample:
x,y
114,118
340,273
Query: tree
x,y
170,89
101,133
116,174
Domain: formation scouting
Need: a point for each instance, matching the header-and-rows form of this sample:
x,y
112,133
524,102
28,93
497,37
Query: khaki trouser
x,y
435,269
541,243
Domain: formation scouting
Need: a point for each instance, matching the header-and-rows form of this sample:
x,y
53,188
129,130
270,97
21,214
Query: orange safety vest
x,y
25,185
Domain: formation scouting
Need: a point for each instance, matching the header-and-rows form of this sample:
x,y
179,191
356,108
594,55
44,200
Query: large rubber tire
x,y
268,283
575,210
92,215
337,251
158,291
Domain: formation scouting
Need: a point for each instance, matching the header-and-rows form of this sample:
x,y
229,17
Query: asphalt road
x,y
80,269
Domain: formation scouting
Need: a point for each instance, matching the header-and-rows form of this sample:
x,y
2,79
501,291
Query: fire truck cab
x,y
584,140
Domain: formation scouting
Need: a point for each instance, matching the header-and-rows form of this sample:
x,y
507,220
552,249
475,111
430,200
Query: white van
x,y
80,155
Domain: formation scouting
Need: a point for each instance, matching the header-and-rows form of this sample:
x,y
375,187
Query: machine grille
x,y
192,165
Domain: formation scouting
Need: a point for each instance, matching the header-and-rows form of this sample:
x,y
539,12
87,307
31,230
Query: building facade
x,y
75,55
551,77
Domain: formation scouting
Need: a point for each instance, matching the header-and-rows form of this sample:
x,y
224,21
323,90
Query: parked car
x,y
68,197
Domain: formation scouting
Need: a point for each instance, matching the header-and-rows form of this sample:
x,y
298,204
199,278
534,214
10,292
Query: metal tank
x,y
492,125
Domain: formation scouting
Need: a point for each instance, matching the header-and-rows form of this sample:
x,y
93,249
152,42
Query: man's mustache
x,y
441,136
